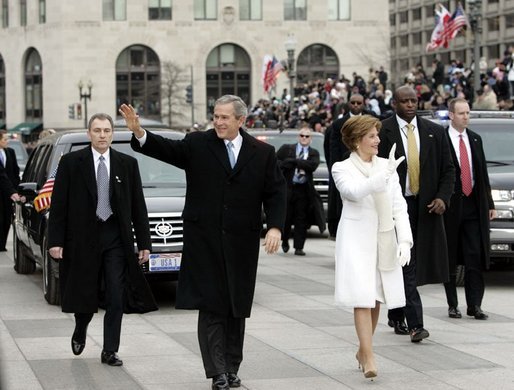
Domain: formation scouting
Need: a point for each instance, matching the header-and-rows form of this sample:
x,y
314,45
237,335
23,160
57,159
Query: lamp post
x,y
290,45
475,19
86,97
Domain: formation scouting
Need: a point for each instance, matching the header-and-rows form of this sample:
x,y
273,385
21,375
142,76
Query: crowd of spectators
x,y
318,102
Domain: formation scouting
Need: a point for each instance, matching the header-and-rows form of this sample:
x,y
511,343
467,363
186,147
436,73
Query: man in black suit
x,y
231,176
96,202
427,177
9,164
471,209
298,162
339,152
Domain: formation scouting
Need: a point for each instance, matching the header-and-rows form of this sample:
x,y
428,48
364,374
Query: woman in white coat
x,y
373,237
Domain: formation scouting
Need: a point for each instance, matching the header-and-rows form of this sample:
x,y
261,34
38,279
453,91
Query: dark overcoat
x,y
288,162
437,179
483,197
222,216
73,226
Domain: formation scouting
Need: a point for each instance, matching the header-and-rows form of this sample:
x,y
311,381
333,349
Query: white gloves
x,y
393,164
404,253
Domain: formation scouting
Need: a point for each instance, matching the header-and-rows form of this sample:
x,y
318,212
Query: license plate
x,y
164,262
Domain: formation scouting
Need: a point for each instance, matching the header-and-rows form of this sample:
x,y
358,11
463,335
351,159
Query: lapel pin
x,y
431,135
118,179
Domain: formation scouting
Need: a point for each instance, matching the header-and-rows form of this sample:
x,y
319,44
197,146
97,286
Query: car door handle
x,y
28,205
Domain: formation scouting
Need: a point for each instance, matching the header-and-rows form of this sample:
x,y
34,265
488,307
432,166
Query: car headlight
x,y
501,195
503,214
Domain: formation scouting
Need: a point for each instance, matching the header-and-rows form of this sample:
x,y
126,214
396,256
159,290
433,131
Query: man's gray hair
x,y
240,108
100,116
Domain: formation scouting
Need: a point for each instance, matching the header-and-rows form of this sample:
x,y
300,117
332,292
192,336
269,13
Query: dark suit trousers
x,y
113,270
221,340
297,211
470,250
6,219
413,310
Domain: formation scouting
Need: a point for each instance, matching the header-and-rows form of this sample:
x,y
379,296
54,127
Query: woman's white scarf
x,y
387,246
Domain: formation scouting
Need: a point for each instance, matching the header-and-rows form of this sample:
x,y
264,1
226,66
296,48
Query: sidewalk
x,y
296,339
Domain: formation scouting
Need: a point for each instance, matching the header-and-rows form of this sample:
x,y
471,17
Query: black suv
x,y
164,187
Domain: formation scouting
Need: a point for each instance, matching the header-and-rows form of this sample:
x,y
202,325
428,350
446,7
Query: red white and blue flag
x,y
271,69
44,199
447,26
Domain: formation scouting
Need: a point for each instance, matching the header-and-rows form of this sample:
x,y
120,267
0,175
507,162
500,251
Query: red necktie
x,y
465,170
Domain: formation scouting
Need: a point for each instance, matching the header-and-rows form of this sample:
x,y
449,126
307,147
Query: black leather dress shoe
x,y
418,334
400,327
285,247
220,382
233,380
111,358
78,340
299,252
454,312
476,311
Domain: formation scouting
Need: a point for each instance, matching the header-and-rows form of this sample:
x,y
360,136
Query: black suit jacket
x,y
482,195
436,180
222,216
11,171
73,226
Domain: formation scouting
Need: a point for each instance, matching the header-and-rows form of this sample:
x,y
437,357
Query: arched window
x,y
2,93
317,62
33,87
228,72
138,81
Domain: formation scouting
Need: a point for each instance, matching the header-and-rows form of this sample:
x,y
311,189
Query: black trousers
x,y
297,213
469,254
6,212
113,271
221,339
413,310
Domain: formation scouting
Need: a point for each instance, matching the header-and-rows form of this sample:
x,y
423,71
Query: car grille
x,y
321,186
166,231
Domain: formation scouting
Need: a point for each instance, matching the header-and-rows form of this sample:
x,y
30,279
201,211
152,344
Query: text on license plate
x,y
161,262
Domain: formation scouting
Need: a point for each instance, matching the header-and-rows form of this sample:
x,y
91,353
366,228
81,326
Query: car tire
x,y
51,290
22,263
459,281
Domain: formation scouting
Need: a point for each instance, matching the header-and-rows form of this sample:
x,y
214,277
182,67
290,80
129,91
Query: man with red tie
x,y
471,209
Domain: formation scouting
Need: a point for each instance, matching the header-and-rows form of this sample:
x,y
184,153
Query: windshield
x,y
155,174
498,141
277,140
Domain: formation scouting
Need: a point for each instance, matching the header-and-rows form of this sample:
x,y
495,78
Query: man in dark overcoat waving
x,y
230,176
427,177
97,199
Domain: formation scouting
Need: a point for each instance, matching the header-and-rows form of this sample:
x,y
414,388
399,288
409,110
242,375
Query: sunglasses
x,y
305,136
356,103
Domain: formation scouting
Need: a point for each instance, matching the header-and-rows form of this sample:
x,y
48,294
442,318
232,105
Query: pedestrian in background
x,y
427,178
374,237
231,178
9,165
339,152
298,162
467,218
98,207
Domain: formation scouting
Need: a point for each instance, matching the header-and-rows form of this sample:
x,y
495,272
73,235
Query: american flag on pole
x,y
447,26
44,199
272,67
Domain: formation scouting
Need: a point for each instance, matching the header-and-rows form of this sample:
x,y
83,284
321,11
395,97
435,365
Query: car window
x,y
154,173
497,139
277,140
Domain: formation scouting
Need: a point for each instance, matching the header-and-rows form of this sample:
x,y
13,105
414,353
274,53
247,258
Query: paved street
x,y
296,339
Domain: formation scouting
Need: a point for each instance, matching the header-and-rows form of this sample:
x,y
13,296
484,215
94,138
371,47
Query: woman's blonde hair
x,y
355,128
